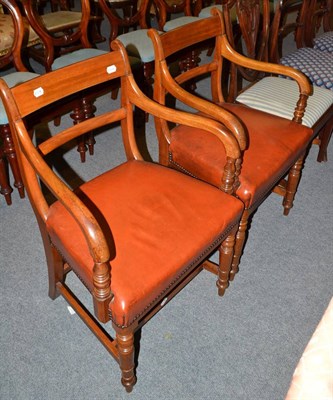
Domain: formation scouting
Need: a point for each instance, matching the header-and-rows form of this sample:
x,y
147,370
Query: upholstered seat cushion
x,y
177,22
324,42
12,80
275,144
54,22
85,54
317,65
138,44
279,96
76,56
155,215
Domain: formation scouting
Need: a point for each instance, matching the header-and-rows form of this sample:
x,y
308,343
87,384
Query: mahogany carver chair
x,y
142,231
254,88
273,147
12,34
78,48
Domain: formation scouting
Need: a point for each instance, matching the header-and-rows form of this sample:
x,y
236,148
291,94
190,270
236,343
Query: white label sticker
x,y
38,92
71,311
111,69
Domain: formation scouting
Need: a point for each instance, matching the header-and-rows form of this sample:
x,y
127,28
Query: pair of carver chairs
x,y
138,233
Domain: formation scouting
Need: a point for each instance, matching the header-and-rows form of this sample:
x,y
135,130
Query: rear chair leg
x,y
239,245
293,181
56,274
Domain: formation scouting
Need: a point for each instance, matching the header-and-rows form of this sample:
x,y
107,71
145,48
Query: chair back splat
x,y
135,234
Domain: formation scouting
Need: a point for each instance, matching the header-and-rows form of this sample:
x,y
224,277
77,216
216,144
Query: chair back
x,y
289,18
13,35
44,91
247,26
319,16
69,36
203,33
125,15
165,8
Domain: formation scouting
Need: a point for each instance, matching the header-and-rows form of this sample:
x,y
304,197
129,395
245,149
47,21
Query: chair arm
x,y
89,226
209,108
180,117
303,82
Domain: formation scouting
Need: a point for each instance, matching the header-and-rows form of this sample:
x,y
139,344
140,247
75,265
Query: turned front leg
x,y
125,344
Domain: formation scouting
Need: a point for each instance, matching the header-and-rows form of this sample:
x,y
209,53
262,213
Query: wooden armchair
x,y
273,147
139,232
13,32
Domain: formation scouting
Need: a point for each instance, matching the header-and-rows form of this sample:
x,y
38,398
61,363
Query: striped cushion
x,y
279,96
324,42
317,65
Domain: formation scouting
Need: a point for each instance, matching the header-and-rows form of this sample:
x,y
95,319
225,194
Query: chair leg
x,y
292,183
5,188
325,137
10,154
55,265
82,111
226,252
239,244
125,343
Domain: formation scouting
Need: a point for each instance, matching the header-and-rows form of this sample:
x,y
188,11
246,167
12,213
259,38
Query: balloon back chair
x,y
128,21
272,148
135,234
13,35
68,48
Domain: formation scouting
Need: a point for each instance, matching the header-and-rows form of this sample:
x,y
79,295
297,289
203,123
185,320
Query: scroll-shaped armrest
x,y
213,110
229,53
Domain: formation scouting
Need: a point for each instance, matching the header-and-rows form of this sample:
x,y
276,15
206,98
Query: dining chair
x,y
315,64
141,231
12,34
273,149
319,16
